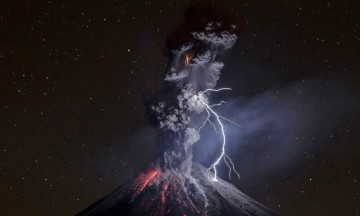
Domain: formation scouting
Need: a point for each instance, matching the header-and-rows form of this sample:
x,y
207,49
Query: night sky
x,y
74,76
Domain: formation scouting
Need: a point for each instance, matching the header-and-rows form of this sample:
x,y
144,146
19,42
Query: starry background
x,y
73,125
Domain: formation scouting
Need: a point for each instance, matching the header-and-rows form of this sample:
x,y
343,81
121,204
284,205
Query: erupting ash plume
x,y
195,70
174,185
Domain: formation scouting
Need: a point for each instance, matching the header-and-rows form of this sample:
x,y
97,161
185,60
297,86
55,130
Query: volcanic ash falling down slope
x,y
159,192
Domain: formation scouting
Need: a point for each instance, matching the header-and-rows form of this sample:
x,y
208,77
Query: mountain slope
x,y
159,192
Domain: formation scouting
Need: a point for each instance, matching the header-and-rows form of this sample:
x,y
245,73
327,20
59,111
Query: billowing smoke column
x,y
194,70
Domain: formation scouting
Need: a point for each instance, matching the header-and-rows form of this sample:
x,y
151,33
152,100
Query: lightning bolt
x,y
210,112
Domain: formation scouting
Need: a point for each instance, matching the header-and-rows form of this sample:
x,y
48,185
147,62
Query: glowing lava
x,y
163,188
188,58
146,179
163,196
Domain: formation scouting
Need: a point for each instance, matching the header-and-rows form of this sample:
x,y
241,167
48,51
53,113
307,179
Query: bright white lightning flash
x,y
211,112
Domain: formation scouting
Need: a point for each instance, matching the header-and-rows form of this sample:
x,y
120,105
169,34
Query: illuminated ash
x,y
211,112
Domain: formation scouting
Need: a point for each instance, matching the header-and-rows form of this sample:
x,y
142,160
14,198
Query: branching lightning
x,y
210,111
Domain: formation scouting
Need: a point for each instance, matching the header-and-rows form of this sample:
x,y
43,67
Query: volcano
x,y
170,192
176,185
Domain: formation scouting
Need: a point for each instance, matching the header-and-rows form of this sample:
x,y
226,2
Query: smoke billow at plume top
x,y
197,16
201,38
